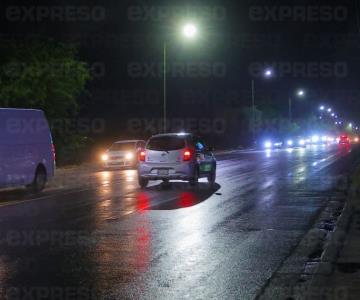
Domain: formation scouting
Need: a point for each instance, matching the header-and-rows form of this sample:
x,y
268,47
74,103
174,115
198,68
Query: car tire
x,y
143,182
212,176
195,179
39,181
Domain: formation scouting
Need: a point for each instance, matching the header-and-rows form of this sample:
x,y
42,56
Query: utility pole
x,y
164,88
290,109
253,109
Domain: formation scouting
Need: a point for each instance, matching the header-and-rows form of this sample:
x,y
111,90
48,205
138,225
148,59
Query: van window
x,y
166,143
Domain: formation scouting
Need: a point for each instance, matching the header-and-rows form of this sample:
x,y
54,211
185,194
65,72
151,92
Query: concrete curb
x,y
336,239
300,275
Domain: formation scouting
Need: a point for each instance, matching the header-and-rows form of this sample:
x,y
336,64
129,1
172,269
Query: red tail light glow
x,y
187,155
142,156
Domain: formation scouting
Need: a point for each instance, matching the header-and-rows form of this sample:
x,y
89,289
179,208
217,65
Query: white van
x,y
27,154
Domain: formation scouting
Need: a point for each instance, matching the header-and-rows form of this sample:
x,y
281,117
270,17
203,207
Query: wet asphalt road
x,y
107,239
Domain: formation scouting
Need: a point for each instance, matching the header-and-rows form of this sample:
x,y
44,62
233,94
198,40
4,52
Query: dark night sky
x,y
234,37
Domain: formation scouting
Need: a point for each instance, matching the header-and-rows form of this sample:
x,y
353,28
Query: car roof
x,y
181,134
128,141
19,109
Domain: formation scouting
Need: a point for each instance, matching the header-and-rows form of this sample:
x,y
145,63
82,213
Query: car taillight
x,y
53,151
187,155
142,156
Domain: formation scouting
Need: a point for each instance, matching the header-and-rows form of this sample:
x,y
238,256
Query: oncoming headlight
x,y
268,144
129,156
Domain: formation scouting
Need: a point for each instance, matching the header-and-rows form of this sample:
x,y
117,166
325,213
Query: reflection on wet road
x,y
118,241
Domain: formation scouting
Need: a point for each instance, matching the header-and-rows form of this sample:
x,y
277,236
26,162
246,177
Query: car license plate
x,y
206,168
163,172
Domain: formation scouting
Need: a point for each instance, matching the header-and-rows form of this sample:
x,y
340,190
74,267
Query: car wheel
x,y
40,180
212,176
195,179
143,182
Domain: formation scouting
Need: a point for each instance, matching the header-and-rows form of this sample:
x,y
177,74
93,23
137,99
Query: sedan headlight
x,y
315,138
289,142
268,144
302,142
129,156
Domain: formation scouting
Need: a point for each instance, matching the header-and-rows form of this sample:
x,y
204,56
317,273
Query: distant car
x,y
27,153
296,142
344,140
355,140
123,154
272,144
176,156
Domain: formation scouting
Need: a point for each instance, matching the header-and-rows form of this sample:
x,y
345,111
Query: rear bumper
x,y
181,171
167,177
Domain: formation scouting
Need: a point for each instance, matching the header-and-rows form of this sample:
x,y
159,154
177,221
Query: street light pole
x,y
290,109
189,31
164,88
253,107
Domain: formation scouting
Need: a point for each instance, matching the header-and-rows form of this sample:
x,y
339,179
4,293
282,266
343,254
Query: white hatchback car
x,y
123,154
176,156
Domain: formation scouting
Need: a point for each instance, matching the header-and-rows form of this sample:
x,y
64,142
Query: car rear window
x,y
122,146
166,143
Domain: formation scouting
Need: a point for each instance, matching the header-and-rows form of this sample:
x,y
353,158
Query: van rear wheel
x,y
212,176
40,180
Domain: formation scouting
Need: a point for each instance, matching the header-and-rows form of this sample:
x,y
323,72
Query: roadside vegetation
x,y
46,74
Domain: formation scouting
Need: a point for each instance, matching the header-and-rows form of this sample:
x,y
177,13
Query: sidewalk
x,y
343,281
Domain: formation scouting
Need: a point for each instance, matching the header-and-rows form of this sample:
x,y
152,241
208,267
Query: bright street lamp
x,y
268,73
299,93
329,109
322,107
189,30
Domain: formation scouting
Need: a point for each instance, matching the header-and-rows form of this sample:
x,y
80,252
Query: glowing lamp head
x,y
301,93
268,73
104,157
190,30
